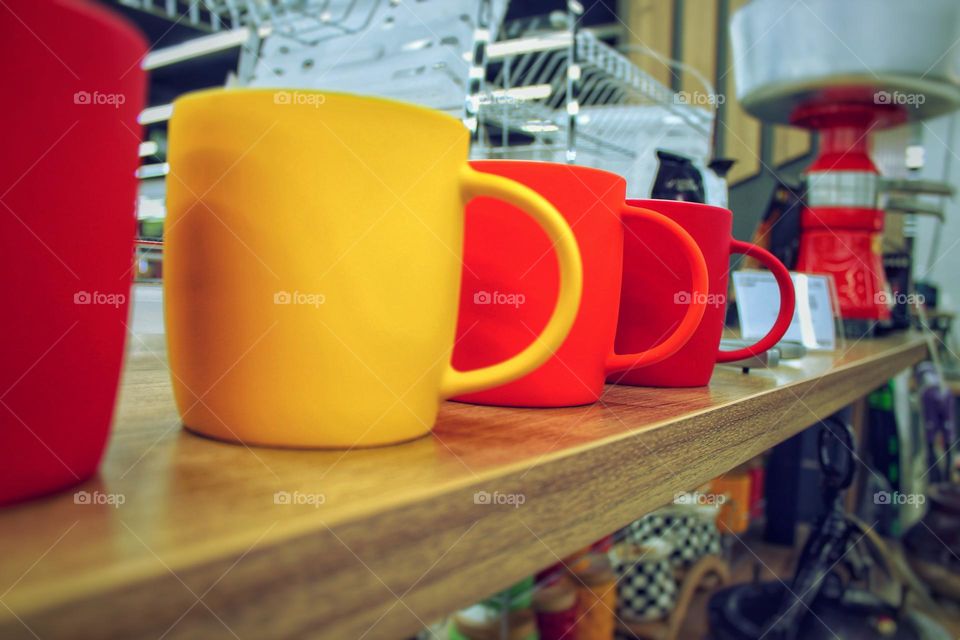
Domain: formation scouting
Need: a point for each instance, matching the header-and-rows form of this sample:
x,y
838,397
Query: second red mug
x,y
643,312
74,89
510,285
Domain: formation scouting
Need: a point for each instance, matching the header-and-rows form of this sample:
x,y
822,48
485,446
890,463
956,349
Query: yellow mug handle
x,y
475,183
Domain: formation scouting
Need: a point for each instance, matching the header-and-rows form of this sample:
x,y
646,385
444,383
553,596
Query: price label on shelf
x,y
814,322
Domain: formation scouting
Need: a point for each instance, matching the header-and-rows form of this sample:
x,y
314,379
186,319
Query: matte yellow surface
x,y
313,265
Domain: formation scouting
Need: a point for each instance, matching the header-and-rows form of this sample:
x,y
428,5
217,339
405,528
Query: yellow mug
x,y
312,266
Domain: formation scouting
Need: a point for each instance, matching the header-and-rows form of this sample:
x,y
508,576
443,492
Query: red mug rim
x,y
695,207
553,166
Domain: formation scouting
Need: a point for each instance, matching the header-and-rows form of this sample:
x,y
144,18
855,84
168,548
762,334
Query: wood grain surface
x,y
199,548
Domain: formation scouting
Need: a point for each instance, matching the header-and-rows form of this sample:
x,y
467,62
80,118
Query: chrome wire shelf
x,y
306,21
562,94
539,88
205,15
423,52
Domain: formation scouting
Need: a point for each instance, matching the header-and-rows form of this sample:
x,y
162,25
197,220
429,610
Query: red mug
x,y
68,189
510,284
653,276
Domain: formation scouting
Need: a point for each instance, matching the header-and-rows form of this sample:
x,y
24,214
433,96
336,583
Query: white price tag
x,y
814,319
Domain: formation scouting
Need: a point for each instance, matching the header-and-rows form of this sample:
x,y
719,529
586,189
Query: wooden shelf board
x,y
200,549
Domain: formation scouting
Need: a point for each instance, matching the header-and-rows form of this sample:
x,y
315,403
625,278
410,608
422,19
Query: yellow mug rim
x,y
203,94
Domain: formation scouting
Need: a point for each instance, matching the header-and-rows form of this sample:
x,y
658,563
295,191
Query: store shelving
x,y
541,88
401,535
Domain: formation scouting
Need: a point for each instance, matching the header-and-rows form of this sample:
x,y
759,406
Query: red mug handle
x,y
699,288
787,302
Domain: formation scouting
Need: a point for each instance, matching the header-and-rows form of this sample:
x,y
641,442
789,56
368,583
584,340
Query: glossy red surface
x,y
651,275
510,285
846,242
72,90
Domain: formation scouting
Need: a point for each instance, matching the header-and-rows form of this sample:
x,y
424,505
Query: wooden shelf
x,y
199,549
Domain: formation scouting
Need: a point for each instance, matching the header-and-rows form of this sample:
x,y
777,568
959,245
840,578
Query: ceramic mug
x,y
74,88
312,266
509,280
655,275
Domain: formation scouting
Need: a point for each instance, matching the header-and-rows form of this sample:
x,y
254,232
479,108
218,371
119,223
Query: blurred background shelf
x,y
204,537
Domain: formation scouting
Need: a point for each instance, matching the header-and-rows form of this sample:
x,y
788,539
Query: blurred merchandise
x,y
596,600
482,623
516,597
555,605
677,179
758,478
883,441
646,585
148,263
779,228
690,528
151,228
937,412
933,544
736,488
831,581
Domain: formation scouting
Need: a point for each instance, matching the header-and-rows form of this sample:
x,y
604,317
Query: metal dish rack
x,y
303,20
539,88
425,52
563,95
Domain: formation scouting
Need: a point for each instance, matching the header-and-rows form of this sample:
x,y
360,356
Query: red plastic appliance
x,y
842,224
73,88
892,61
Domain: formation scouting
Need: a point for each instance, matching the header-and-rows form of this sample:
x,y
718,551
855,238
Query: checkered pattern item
x,y
646,590
691,536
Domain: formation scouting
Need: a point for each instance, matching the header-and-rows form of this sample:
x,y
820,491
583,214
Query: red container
x,y
72,90
510,285
653,277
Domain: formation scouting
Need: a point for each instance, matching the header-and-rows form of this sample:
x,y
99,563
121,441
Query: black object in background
x,y
928,293
721,166
791,489
823,600
677,179
883,455
781,222
898,267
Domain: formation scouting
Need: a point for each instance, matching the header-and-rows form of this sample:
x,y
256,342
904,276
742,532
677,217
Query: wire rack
x,y
539,88
561,94
423,52
309,20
